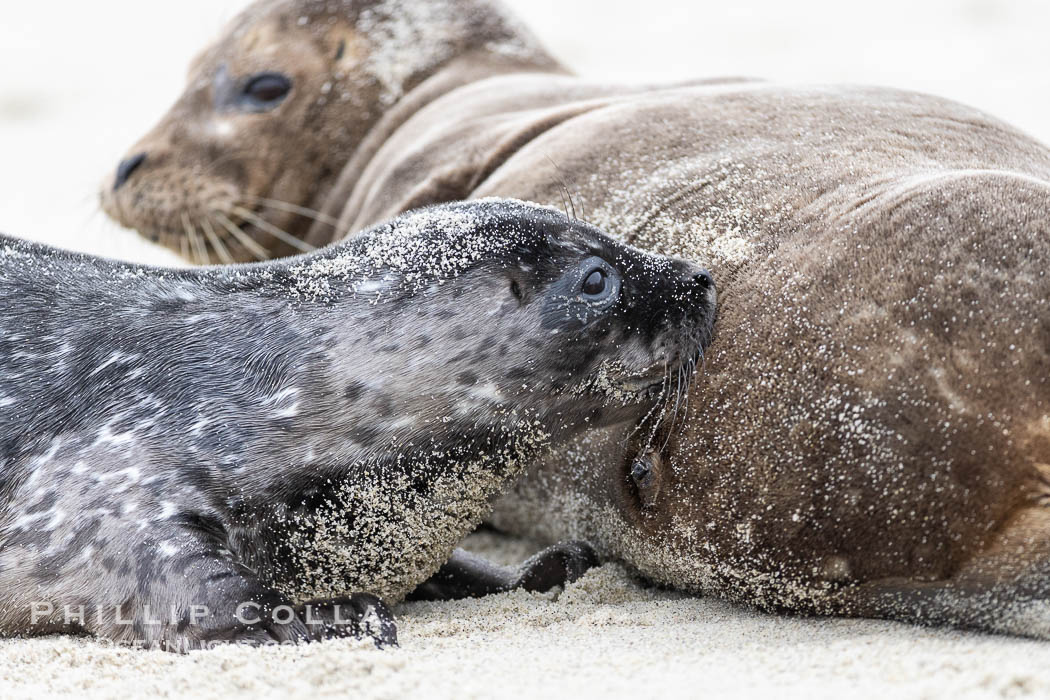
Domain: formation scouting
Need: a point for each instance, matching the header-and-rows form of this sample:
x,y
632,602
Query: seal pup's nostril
x,y
703,279
126,168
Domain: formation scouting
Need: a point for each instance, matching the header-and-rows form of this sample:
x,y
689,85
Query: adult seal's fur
x,y
873,433
229,454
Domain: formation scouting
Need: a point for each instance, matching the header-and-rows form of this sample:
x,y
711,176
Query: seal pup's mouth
x,y
615,381
646,384
656,378
624,385
669,390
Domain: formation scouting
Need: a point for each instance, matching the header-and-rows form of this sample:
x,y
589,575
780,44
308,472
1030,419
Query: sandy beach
x,y
607,635
75,93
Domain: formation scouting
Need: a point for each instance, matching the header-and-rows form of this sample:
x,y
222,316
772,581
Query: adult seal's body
x,y
229,454
874,430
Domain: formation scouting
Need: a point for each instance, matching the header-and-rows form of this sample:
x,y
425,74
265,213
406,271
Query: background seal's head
x,y
275,108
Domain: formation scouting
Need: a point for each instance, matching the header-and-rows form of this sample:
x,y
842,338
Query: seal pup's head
x,y
462,342
496,313
275,108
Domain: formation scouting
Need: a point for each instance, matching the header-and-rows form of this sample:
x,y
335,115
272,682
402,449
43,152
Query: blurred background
x,y
81,81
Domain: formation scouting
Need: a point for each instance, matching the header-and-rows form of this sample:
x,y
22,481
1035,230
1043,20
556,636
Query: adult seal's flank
x,y
263,452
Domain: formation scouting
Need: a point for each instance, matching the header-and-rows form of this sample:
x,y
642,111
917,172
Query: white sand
x,y
73,97
606,636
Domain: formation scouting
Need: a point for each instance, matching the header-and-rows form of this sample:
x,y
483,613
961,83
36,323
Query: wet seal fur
x,y
873,434
261,453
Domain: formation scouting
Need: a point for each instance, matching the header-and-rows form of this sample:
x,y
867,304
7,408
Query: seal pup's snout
x,y
695,298
703,280
684,325
669,314
698,283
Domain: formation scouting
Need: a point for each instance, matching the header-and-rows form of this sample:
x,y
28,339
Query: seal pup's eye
x,y
598,281
267,89
594,284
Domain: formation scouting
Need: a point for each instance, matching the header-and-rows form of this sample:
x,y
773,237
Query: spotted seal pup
x,y
874,430
240,453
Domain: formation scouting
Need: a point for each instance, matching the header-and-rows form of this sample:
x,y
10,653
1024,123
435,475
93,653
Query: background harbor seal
x,y
177,445
330,76
873,434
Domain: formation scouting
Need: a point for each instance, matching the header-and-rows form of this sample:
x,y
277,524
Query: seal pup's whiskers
x,y
241,237
564,187
565,208
280,234
693,377
661,404
657,408
674,414
572,204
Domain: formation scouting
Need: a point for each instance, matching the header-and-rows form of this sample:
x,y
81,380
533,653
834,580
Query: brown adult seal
x,y
872,433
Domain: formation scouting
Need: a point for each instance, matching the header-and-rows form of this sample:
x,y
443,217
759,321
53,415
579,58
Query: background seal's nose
x,y
126,168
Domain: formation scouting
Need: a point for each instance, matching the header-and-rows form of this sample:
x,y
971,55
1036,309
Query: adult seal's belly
x,y
249,453
872,431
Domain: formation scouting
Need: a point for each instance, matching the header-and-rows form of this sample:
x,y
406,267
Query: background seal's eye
x,y
594,283
267,89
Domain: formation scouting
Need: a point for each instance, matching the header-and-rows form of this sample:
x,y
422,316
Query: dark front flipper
x,y
467,575
243,610
357,616
178,588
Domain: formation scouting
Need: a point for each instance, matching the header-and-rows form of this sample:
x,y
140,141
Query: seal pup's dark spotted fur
x,y
230,453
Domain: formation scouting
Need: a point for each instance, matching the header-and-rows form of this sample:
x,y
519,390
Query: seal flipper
x,y
1005,589
467,575
181,589
357,615
244,610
